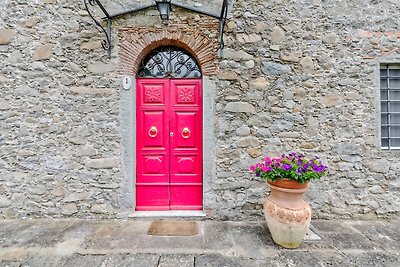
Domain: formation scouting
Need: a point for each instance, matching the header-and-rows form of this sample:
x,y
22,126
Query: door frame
x,y
169,114
128,139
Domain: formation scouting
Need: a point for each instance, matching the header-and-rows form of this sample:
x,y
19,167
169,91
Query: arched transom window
x,y
169,62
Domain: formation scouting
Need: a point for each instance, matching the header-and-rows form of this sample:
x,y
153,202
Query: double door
x,y
169,144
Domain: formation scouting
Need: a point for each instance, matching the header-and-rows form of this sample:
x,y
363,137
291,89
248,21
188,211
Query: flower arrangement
x,y
294,166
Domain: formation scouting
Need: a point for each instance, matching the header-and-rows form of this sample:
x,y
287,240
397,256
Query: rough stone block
x,y
289,135
4,105
259,83
69,209
230,53
240,107
90,91
77,197
104,163
231,25
26,90
330,38
378,165
277,35
273,68
243,130
254,152
331,100
77,140
228,75
6,36
31,22
43,53
249,64
248,38
307,65
4,79
291,57
100,67
250,141
101,208
92,45
262,119
4,202
59,191
86,151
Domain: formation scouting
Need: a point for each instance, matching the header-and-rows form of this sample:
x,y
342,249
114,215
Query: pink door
x,y
169,144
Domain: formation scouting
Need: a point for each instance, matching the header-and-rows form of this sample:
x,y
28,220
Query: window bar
x,y
388,105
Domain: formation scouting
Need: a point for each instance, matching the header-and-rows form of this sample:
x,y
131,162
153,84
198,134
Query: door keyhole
x,y
171,134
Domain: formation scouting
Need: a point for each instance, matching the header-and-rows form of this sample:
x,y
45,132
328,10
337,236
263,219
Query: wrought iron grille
x,y
169,61
390,106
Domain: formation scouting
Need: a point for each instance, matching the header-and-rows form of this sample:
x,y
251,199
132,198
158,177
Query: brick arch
x,y
137,44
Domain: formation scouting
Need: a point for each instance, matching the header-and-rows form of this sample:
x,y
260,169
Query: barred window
x,y
390,106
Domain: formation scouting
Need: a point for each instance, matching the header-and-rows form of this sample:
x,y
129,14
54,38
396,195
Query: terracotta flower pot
x,y
288,216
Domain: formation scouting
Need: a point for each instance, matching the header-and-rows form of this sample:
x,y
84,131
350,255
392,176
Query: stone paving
x,y
50,242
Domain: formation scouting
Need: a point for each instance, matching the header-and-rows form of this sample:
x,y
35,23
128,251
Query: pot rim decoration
x,y
288,184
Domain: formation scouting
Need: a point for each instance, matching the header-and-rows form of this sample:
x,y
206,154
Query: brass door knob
x,y
186,133
153,131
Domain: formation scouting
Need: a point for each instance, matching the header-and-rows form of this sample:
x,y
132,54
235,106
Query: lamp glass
x,y
164,8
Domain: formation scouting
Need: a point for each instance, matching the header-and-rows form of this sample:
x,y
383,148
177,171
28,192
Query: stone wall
x,y
59,133
303,76
294,75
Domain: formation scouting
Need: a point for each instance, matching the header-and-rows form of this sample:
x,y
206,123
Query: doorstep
x,y
168,213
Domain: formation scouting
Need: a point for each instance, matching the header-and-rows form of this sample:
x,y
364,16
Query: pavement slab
x,y
373,259
381,233
218,237
51,242
217,260
252,240
176,260
310,258
124,260
350,241
33,233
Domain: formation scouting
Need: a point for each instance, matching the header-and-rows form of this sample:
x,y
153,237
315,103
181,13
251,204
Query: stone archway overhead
x,y
136,43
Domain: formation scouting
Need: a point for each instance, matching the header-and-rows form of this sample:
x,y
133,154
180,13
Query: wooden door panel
x,y
154,92
154,168
185,92
152,197
154,128
186,168
185,129
186,197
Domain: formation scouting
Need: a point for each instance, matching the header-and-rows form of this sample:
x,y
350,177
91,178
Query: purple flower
x,y
286,167
317,168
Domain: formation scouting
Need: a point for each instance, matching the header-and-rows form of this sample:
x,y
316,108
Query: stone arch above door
x,y
136,43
